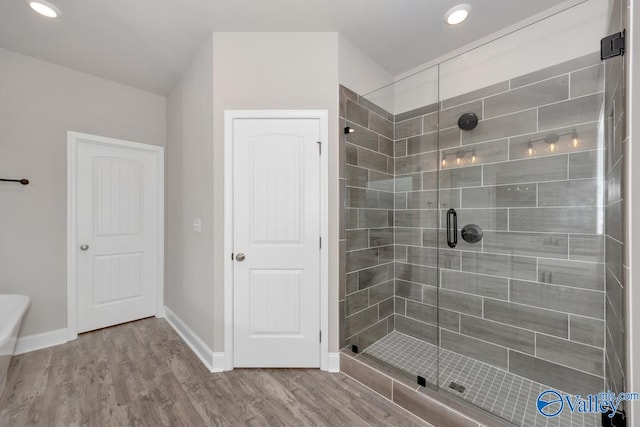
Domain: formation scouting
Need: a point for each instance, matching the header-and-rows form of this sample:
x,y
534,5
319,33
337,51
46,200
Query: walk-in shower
x,y
483,220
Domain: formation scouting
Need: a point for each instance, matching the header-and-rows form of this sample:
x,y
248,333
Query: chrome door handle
x,y
240,257
84,247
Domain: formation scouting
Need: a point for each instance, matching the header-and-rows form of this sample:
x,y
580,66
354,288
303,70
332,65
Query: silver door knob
x,y
84,247
240,257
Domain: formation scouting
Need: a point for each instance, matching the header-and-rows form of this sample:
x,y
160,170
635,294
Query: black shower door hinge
x,y
618,419
612,45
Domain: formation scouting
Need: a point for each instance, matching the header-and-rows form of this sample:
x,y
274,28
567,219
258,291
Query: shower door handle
x,y
452,228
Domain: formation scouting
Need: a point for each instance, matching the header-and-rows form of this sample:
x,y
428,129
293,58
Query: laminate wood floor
x,y
142,374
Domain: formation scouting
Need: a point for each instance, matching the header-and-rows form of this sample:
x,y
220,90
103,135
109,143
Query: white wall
x,y
561,37
633,208
361,74
417,90
39,103
274,71
189,255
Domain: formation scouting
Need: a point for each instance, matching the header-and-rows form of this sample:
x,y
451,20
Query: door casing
x,y
229,117
73,140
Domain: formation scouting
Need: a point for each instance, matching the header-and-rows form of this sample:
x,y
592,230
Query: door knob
x,y
84,247
240,257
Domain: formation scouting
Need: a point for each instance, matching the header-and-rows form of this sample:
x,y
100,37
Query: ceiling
x,y
147,43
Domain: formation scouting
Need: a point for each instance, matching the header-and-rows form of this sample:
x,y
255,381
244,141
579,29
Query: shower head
x,y
468,121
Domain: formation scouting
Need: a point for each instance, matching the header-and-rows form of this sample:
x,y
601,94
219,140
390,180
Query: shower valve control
x,y
471,233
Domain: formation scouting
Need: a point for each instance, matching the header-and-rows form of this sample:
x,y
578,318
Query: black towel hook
x,y
21,181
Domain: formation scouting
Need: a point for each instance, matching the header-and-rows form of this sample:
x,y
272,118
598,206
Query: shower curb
x,y
431,406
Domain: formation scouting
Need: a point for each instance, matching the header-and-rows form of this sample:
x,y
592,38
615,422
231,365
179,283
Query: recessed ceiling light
x,y
457,14
44,8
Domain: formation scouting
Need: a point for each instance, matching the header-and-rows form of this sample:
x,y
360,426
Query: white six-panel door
x,y
117,214
276,217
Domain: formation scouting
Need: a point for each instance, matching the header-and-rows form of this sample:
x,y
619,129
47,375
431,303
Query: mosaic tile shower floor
x,y
510,396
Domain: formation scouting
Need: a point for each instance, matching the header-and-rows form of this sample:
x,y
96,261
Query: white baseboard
x,y
333,362
218,362
210,359
39,341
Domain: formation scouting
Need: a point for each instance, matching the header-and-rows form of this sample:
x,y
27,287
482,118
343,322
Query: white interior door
x,y
276,214
118,212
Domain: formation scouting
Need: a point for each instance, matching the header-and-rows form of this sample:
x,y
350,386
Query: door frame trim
x,y
73,140
229,117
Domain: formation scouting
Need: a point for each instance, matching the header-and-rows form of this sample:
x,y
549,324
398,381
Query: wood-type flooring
x,y
142,374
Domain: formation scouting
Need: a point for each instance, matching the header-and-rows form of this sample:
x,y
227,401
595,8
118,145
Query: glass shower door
x,y
391,217
479,197
521,158
417,201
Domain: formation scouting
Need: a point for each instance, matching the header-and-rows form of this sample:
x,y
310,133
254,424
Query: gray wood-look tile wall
x,y
531,296
366,290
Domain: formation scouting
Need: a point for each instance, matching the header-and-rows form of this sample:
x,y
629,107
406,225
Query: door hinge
x,y
320,336
614,419
612,45
320,242
319,147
